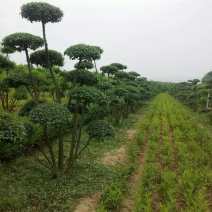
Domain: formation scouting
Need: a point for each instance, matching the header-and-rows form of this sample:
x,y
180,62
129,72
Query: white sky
x,y
166,40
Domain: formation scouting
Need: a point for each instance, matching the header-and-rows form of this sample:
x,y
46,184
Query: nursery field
x,y
85,138
160,161
177,172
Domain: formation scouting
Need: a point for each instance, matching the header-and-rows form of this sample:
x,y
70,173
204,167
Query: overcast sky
x,y
165,40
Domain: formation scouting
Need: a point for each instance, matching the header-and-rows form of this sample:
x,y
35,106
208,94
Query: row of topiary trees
x,y
195,94
81,98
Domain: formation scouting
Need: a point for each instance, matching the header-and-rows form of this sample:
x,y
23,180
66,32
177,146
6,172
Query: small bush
x,y
12,135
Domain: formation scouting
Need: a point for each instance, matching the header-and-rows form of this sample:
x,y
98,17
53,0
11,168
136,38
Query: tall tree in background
x,y
97,55
44,13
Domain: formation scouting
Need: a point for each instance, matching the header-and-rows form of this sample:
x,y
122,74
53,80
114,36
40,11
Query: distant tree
x,y
109,70
44,13
22,42
134,74
120,66
96,55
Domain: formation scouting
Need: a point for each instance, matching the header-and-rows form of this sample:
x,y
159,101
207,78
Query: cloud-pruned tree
x,y
44,13
109,69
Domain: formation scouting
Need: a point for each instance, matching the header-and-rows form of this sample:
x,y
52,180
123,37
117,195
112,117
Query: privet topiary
x,y
49,114
100,129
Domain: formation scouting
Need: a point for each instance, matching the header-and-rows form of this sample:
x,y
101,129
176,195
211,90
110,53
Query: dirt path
x,y
131,187
114,157
119,155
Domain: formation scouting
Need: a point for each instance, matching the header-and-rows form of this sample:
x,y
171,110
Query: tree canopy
x,y
5,63
39,58
21,41
41,12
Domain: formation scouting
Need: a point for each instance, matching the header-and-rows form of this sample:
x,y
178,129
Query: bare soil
x,y
89,204
131,187
114,157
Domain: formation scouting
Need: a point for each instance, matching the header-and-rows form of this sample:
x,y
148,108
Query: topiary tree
x,y
52,115
120,66
39,58
109,70
80,52
135,74
83,97
22,42
44,13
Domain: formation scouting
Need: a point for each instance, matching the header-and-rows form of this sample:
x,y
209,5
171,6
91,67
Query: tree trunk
x,y
35,96
50,149
49,65
73,141
95,66
61,151
74,84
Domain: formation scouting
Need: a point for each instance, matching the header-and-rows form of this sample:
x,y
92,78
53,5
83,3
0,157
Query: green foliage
x,y
84,65
121,75
21,41
41,12
49,114
12,135
82,52
39,58
16,79
113,194
103,86
5,63
7,50
99,129
20,93
27,107
83,77
97,51
134,73
119,66
82,94
109,69
210,116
